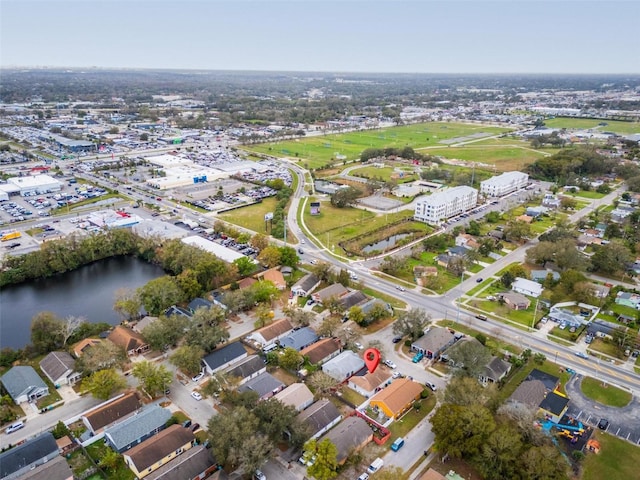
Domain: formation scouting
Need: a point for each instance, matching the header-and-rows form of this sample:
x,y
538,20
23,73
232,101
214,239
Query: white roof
x,y
505,179
33,181
528,285
447,195
218,250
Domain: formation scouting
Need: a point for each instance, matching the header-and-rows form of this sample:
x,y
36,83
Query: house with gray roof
x,y
320,417
134,430
529,394
247,368
351,299
337,290
56,469
197,303
222,357
195,463
515,300
23,458
265,385
305,285
541,275
350,435
343,366
23,384
494,371
434,342
59,368
567,317
299,339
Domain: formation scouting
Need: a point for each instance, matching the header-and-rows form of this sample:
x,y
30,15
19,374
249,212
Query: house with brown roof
x,y
158,450
59,368
296,395
336,290
349,436
246,282
83,345
111,411
515,300
397,398
132,342
467,241
271,333
368,384
274,276
322,351
432,474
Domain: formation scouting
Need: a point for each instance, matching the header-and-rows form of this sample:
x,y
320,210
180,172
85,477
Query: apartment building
x,y
503,184
436,208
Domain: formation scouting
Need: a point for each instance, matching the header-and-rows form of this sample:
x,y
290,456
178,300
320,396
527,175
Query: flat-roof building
x,y
503,184
35,184
220,251
436,208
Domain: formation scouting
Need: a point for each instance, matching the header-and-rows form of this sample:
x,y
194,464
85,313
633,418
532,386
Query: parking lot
x,y
623,422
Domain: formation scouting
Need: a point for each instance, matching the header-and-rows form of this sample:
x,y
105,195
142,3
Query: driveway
x,y
623,422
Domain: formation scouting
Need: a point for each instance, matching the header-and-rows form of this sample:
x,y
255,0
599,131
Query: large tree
x,y
102,355
290,359
46,332
345,197
461,431
165,331
517,230
466,391
411,323
611,258
187,358
470,358
104,383
159,294
326,465
154,379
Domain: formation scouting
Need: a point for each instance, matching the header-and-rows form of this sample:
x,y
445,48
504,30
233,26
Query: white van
x,y
375,465
14,426
270,348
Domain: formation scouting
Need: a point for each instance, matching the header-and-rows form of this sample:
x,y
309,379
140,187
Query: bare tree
x,y
69,326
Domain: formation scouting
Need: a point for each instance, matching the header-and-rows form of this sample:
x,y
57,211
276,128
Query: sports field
x,y
623,128
316,152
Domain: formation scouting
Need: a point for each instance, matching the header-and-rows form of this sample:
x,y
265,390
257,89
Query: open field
x,y
319,151
505,157
585,123
617,459
385,173
251,217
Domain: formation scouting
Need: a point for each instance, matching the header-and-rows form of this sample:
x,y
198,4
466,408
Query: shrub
x,y
481,338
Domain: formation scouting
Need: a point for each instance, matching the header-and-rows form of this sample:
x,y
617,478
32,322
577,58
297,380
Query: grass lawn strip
x,y
618,459
604,393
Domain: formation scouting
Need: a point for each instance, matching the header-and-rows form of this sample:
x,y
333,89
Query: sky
x,y
397,36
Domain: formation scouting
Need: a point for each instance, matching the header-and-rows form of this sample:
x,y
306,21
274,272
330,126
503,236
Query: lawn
x,y
346,220
518,376
404,425
252,216
393,301
604,393
385,173
588,194
121,472
494,344
352,396
586,123
317,152
617,459
608,348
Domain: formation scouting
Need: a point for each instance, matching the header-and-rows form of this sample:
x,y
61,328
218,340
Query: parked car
x,y
358,345
14,427
479,280
389,364
603,424
396,339
364,476
198,377
196,395
431,386
258,475
582,355
417,357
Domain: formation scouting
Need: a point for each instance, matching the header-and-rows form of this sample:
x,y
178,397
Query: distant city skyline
x,y
386,36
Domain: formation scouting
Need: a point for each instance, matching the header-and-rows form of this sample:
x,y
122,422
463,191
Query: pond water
x,y
382,245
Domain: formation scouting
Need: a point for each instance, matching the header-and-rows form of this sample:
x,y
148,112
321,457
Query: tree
x,y
297,316
356,315
264,291
165,332
500,454
289,257
541,253
611,258
159,294
461,431
46,330
100,356
377,312
110,459
516,231
290,359
622,338
275,418
259,241
270,256
153,379
345,197
466,391
326,465
321,383
329,326
333,304
507,279
103,383
60,430
245,266
411,323
207,329
457,265
543,463
470,357
127,303
69,326
323,271
187,358
568,203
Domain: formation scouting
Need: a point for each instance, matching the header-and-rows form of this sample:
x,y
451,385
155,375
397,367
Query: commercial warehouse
x,y
35,185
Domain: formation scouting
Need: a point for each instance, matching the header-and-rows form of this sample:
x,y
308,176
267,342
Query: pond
x,y
385,244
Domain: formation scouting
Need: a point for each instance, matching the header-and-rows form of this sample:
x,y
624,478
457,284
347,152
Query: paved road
x,y
42,422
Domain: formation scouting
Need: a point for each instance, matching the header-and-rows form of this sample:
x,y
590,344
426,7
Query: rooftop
x,y
159,446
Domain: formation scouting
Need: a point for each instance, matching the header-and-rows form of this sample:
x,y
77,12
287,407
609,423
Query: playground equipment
x,y
593,446
577,427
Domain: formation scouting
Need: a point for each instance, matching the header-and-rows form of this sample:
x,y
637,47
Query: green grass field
x,y
584,123
604,393
251,217
505,157
617,459
316,152
384,174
